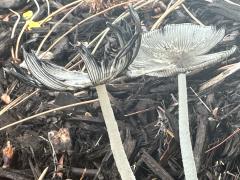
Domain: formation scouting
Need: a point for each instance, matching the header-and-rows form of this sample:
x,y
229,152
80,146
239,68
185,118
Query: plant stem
x,y
119,155
184,131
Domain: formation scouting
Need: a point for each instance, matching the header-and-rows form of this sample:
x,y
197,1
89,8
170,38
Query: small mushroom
x,y
48,75
178,49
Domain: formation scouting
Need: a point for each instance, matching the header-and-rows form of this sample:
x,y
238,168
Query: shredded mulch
x,y
73,143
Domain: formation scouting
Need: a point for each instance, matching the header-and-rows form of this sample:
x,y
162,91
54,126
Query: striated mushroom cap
x,y
48,75
178,48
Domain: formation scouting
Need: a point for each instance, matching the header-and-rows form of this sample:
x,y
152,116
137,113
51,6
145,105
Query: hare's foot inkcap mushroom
x,y
178,49
48,75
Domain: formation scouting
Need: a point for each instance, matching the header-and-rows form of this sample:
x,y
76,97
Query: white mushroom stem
x,y
119,154
184,131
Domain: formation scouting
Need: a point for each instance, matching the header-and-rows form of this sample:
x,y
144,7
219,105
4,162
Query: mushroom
x,y
47,75
178,49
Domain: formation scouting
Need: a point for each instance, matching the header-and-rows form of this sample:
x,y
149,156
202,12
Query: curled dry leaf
x,y
88,114
5,98
8,153
59,173
60,140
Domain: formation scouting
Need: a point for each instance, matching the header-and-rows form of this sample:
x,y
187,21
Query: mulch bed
x,y
146,108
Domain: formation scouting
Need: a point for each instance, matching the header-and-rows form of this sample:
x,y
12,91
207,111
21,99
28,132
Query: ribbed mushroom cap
x,y
51,76
177,48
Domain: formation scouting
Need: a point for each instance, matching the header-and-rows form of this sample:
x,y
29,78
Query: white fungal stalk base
x,y
184,131
119,155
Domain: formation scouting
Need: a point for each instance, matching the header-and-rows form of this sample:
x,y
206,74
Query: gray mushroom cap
x,y
178,48
51,76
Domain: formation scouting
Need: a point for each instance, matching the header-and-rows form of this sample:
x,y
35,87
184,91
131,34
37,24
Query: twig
x,y
55,26
230,2
16,23
55,161
14,30
24,27
76,64
69,64
53,151
48,7
201,134
59,11
41,177
6,108
89,172
46,112
81,22
209,110
139,112
192,16
155,166
124,15
17,101
83,174
229,137
11,88
166,13
24,99
220,78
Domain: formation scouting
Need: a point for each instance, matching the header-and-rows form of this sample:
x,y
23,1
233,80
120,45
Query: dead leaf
x,y
5,98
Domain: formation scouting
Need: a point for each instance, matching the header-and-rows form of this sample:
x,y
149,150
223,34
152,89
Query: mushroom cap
x,y
177,48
